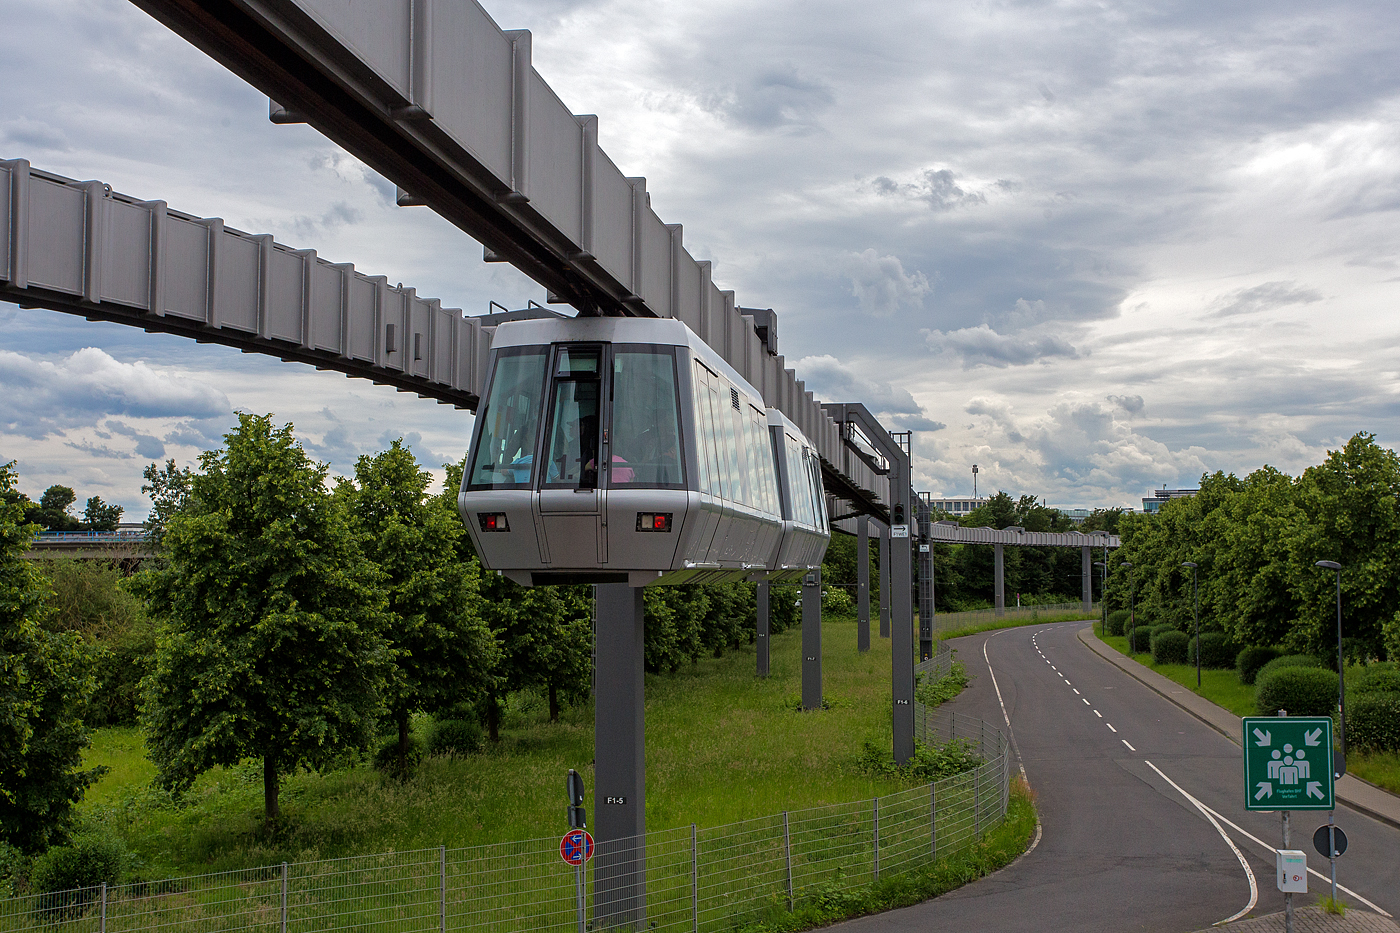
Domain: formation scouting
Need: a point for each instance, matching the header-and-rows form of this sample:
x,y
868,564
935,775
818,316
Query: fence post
x,y
442,888
103,927
284,897
977,802
933,819
694,881
787,851
1005,773
877,838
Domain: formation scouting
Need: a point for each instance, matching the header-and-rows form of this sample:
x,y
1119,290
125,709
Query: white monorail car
x,y
625,450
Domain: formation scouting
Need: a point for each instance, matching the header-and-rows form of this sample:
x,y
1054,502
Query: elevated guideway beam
x,y
82,248
443,102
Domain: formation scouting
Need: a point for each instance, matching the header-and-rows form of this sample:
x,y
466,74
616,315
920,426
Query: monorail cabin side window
x,y
510,421
646,436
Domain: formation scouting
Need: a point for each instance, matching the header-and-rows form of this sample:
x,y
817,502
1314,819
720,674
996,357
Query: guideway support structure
x,y
812,640
950,532
1087,578
619,727
926,582
863,583
894,449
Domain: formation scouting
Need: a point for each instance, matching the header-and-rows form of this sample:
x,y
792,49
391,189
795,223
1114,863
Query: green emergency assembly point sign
x,y
1288,763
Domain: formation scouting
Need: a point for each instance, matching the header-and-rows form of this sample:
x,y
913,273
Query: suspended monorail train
x,y
626,450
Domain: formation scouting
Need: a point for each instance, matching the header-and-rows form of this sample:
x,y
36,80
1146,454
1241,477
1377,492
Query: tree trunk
x,y
493,719
271,811
403,736
553,703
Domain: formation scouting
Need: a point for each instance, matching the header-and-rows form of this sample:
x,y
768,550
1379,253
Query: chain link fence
x,y
695,879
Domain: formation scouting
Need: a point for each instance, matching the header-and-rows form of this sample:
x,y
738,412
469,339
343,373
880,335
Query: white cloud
x,y
982,346
881,285
44,397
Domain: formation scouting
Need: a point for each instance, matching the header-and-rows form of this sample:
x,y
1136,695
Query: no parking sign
x,y
576,847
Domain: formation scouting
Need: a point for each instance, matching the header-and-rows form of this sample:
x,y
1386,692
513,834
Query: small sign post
x,y
1288,766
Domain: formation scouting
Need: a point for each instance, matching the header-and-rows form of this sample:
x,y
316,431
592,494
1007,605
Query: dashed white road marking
x,y
1125,742
1086,700
1077,693
1110,726
1098,714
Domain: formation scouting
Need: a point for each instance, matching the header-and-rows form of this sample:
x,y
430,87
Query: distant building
x,y
1076,516
957,507
1164,495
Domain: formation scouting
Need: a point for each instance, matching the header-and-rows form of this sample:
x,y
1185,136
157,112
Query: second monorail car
x,y
626,450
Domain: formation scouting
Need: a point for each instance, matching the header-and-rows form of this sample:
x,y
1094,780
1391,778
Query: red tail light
x,y
653,521
492,521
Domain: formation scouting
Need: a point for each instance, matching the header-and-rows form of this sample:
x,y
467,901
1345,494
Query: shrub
x,y
1377,681
837,602
1140,640
1373,722
1288,660
86,863
11,869
1251,659
396,764
455,738
1302,691
1169,647
1216,649
1117,622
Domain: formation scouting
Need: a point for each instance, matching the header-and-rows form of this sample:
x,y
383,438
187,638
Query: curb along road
x,y
1356,794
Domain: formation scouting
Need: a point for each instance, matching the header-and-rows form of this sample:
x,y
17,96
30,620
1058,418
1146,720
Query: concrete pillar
x,y
902,624
761,640
1087,571
925,582
999,580
885,583
863,583
812,640
619,749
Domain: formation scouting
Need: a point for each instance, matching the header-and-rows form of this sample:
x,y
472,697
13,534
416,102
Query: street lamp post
x,y
974,481
1341,670
1196,609
1132,607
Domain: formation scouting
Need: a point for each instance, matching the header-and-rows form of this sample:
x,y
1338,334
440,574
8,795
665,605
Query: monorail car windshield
x,y
626,450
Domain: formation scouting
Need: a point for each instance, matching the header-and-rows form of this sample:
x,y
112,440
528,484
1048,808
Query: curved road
x,y
1122,848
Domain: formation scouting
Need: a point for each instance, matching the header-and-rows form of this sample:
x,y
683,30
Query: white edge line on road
x,y
1125,742
1244,863
1004,715
1312,871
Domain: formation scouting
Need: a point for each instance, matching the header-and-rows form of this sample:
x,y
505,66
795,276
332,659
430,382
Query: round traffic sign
x,y
1320,841
576,847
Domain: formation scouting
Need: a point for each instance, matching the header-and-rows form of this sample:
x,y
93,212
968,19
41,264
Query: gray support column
x,y
863,583
761,640
902,621
1087,572
999,580
885,583
812,640
619,736
925,582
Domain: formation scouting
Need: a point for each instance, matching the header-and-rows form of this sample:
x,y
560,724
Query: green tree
x,y
1352,506
1247,590
444,651
52,511
98,516
44,686
168,488
272,644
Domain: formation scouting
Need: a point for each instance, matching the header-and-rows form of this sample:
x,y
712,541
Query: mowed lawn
x,y
722,746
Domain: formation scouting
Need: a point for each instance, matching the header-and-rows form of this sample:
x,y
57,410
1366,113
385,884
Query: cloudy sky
x,y
1092,247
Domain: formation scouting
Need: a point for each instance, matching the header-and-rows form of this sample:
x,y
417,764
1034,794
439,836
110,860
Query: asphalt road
x,y
1122,849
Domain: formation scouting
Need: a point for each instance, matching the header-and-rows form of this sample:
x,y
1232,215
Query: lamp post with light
x,y
974,481
1132,608
1196,609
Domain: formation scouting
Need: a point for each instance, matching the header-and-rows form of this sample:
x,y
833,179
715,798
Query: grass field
x,y
722,746
1019,621
1223,688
